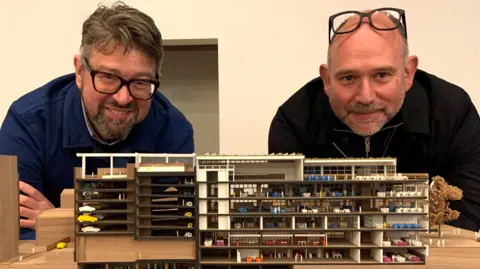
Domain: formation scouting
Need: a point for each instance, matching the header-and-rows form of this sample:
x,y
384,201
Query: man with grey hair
x,y
371,101
111,104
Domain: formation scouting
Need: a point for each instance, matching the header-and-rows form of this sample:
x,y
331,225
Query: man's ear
x,y
324,73
77,62
410,70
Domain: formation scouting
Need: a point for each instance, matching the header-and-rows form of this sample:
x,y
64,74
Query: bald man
x,y
372,101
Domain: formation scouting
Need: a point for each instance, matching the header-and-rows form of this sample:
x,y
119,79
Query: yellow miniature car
x,y
87,218
61,245
188,214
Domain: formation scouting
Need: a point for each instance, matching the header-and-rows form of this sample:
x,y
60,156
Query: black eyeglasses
x,y
109,83
348,21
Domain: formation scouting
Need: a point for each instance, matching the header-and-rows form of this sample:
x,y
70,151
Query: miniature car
x,y
86,208
87,218
87,229
188,214
61,245
94,205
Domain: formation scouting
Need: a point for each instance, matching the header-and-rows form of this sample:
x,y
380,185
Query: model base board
x,y
228,211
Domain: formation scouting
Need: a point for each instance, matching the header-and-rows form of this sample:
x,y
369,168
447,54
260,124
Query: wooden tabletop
x,y
460,251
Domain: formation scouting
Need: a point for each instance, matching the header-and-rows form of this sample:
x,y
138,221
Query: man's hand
x,y
31,205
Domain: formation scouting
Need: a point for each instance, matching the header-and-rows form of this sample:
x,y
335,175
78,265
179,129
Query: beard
x,y
370,126
367,127
107,128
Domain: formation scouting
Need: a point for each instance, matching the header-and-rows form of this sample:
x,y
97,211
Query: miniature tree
x,y
441,193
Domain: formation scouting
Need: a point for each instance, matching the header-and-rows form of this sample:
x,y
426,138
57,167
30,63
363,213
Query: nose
x,y
366,94
123,96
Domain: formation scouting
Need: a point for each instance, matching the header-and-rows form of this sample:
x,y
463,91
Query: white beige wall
x,y
190,82
267,49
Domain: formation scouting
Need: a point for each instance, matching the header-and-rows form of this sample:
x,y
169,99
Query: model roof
x,y
350,161
226,156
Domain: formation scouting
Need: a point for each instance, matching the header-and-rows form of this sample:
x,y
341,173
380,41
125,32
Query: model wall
x,y
9,213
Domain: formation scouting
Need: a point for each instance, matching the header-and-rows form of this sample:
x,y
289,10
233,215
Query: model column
x,y
9,216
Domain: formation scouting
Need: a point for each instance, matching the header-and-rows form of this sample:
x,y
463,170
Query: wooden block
x,y
127,249
116,171
67,198
162,167
54,225
9,215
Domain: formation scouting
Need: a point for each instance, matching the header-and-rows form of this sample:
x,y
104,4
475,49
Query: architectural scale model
x,y
278,210
187,211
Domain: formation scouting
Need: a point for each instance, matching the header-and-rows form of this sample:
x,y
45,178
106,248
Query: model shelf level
x,y
281,210
145,211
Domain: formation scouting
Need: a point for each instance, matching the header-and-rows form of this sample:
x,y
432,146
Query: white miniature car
x,y
86,208
89,229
